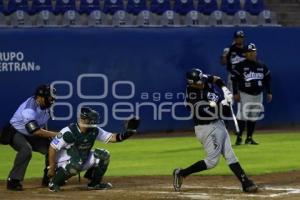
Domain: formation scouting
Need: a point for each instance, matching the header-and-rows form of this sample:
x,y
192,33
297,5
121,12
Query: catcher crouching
x,y
70,152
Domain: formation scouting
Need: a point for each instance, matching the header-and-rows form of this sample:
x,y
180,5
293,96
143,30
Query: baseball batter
x,y
209,107
71,151
250,78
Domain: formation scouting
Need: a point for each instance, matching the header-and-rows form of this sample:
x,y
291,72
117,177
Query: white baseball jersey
x,y
61,146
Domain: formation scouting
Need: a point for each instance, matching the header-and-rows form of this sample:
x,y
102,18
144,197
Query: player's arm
x,y
62,140
220,83
44,133
120,137
52,161
32,127
223,57
235,78
267,83
131,127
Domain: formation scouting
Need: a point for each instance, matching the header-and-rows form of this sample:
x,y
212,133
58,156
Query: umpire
x,y
250,78
25,134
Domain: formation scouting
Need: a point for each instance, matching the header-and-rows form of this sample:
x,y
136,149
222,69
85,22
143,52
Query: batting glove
x,y
227,94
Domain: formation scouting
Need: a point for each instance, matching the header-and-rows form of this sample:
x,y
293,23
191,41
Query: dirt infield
x,y
272,186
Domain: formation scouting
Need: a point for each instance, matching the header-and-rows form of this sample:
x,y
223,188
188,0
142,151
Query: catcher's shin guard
x,y
95,174
60,177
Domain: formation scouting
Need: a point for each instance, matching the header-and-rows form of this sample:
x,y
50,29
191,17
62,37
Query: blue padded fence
x,y
151,61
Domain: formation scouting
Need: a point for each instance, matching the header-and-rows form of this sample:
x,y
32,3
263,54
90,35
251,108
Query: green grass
x,y
276,153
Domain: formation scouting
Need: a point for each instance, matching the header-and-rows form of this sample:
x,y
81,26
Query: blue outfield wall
x,y
154,60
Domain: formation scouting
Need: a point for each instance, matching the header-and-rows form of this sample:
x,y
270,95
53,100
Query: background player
x,y
250,77
25,134
207,105
70,151
233,54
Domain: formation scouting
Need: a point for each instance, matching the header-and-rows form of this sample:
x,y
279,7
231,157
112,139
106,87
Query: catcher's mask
x,y
48,93
90,116
195,76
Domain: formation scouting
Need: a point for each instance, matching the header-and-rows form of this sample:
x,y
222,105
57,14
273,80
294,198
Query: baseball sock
x,y
196,167
242,125
239,172
250,128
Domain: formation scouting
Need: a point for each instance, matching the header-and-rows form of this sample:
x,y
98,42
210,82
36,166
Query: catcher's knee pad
x,y
103,156
73,167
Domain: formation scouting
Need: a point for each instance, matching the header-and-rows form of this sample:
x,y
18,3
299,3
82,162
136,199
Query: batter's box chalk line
x,y
280,191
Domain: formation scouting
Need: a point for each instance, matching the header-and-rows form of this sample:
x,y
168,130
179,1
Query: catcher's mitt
x,y
132,124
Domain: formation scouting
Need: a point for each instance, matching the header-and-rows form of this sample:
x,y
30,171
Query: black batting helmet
x,y
194,75
89,114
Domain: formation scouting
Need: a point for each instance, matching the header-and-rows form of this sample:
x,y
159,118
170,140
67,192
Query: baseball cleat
x,y
238,140
177,179
250,187
14,185
53,187
250,141
99,186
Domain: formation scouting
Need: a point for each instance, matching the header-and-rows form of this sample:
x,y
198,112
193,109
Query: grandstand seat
x,y
71,18
97,18
207,6
88,6
267,18
45,18
160,6
242,18
182,7
136,6
2,16
254,7
122,19
40,5
112,6
219,18
18,12
230,7
63,6
146,18
20,18
14,5
194,18
66,13
169,18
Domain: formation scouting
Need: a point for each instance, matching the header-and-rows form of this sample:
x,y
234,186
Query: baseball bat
x,y
236,125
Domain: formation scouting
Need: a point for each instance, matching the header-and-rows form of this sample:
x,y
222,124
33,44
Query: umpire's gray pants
x,y
24,145
216,142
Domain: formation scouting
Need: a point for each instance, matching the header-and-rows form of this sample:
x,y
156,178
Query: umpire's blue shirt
x,y
29,111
